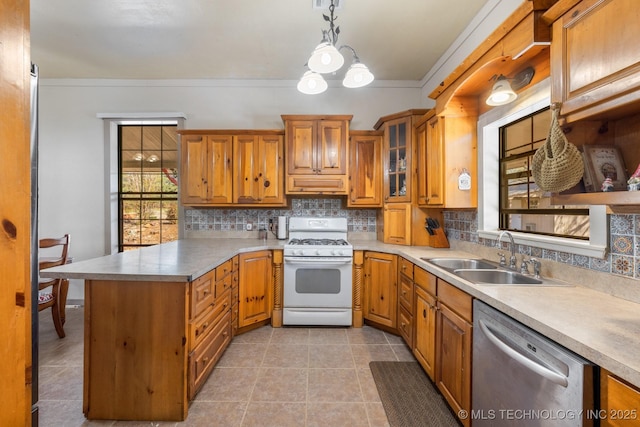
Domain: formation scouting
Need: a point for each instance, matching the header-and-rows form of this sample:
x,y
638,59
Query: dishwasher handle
x,y
523,360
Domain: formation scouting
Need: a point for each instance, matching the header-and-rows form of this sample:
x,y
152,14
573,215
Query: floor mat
x,y
409,397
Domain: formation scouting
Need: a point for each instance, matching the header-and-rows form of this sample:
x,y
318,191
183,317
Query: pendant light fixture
x,y
326,58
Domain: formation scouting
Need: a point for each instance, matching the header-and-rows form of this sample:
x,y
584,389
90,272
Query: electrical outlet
x,y
249,226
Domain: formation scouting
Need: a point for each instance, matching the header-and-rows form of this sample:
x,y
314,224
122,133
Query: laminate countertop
x,y
600,327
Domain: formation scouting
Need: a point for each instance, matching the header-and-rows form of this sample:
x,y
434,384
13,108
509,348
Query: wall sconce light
x,y
504,92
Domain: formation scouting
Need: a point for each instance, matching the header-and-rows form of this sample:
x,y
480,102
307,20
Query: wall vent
x,y
324,4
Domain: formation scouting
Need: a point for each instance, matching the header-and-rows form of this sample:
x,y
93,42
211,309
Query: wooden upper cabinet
x,y
430,186
220,169
365,173
332,147
206,169
447,157
193,181
317,148
397,160
301,146
398,153
595,60
258,170
240,168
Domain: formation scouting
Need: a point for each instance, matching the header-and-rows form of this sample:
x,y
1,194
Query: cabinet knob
x,y
267,183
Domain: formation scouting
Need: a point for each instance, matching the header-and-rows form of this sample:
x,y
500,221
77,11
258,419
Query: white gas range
x,y
318,262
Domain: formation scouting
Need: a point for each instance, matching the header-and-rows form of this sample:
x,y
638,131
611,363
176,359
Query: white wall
x,y
72,144
72,160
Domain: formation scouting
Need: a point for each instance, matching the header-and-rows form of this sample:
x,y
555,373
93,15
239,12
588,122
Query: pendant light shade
x,y
502,93
358,75
325,59
312,83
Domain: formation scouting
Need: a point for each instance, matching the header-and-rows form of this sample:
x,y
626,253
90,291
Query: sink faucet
x,y
512,260
536,267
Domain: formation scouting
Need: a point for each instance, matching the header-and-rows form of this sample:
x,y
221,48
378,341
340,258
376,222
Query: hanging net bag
x,y
557,165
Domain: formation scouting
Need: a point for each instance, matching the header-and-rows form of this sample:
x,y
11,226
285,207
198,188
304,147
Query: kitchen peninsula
x,y
139,301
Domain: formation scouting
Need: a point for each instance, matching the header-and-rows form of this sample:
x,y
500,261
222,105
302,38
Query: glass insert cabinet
x,y
398,161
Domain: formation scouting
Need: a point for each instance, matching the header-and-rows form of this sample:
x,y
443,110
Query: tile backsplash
x,y
223,219
623,258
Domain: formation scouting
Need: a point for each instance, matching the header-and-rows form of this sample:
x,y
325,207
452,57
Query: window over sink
x,y
523,205
530,102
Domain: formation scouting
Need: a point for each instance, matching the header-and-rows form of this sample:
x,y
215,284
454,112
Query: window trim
x,y
111,121
532,100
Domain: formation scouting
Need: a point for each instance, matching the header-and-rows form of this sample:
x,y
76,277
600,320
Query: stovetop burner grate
x,y
319,242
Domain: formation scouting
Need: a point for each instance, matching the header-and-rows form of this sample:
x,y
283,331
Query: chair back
x,y
56,260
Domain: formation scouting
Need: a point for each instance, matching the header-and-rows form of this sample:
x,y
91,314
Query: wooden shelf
x,y
615,198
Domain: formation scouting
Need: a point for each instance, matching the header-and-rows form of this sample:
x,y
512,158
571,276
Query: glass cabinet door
x,y
398,151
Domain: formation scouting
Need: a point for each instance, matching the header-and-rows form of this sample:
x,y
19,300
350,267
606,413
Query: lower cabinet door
x,y
204,357
453,372
425,324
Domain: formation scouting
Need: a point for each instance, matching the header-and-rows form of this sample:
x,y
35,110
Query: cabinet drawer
x,y
234,319
406,268
235,294
224,269
425,280
235,279
405,326
204,357
202,293
224,284
406,292
458,301
201,326
235,263
331,184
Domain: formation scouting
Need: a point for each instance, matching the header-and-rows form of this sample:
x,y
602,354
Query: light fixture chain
x,y
333,30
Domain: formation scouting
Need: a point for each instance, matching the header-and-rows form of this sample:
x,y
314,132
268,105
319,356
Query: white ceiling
x,y
237,39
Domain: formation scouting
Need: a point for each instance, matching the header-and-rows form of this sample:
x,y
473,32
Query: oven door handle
x,y
310,260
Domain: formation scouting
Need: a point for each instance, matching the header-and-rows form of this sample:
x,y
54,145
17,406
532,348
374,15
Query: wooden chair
x,y
53,292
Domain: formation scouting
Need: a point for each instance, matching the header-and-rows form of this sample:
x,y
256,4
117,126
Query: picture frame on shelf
x,y
601,162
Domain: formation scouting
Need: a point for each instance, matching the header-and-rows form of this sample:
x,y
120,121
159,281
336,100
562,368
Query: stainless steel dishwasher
x,y
521,378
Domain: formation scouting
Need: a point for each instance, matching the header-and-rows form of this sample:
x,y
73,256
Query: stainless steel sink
x,y
497,277
461,263
483,272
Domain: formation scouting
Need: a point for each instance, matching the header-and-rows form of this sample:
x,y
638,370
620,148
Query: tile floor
x,y
267,377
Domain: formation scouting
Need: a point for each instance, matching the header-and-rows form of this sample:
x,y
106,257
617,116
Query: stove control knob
x,y
338,252
318,252
297,252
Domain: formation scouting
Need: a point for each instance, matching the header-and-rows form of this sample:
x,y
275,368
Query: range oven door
x,y
317,290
